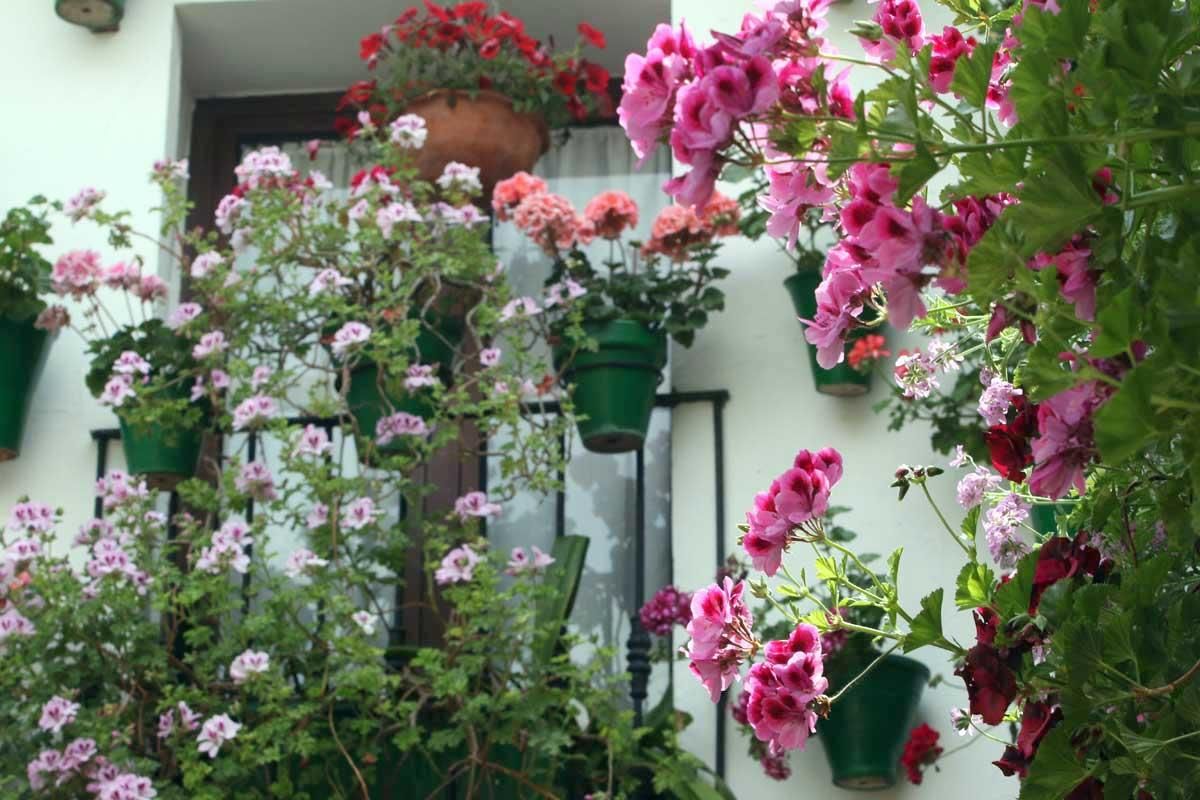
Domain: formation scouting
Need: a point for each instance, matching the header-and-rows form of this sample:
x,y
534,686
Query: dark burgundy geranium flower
x,y
1090,789
991,685
920,751
1036,721
1008,443
1061,558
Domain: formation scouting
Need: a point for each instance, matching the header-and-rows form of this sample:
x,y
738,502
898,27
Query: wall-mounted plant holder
x,y
842,380
98,16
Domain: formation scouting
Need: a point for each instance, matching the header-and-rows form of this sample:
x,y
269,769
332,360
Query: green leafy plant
x,y
24,272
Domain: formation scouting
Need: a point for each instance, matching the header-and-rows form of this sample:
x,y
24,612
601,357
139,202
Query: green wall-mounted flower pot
x,y
842,380
23,350
1043,518
372,396
98,16
866,730
614,386
163,457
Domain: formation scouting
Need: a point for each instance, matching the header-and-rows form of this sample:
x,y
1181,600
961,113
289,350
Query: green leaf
x,y
926,627
974,586
970,523
1123,428
914,173
1055,771
973,74
1054,206
827,569
569,553
1116,320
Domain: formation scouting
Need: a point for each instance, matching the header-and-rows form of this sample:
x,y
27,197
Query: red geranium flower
x,y
567,83
358,94
991,685
1061,558
867,350
489,49
1036,721
345,127
920,751
597,78
437,11
1008,443
370,46
592,35
406,17
470,10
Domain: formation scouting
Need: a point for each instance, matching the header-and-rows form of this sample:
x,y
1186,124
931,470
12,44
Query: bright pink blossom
x,y
902,24
948,46
782,688
722,635
1065,444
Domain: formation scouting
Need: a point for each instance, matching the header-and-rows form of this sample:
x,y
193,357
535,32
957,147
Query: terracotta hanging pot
x,y
480,131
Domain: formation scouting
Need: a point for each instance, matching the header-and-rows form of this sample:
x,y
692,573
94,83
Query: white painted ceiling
x,y
247,47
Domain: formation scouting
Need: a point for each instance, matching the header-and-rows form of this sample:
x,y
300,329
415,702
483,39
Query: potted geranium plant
x,y
1067,222
489,93
24,327
642,294
866,345
139,366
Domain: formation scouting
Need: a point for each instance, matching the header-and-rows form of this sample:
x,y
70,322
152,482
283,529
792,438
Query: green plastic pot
x,y
163,457
615,385
370,399
22,356
842,380
866,730
1044,518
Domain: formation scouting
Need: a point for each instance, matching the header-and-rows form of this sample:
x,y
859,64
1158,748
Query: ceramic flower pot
x,y
842,380
163,457
865,734
481,131
373,395
23,350
614,386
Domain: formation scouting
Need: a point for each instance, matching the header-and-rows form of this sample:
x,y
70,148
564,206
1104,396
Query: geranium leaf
x,y
926,627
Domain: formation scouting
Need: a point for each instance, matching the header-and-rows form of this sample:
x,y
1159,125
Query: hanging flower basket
x,y
480,131
615,385
842,380
164,457
865,733
371,395
22,355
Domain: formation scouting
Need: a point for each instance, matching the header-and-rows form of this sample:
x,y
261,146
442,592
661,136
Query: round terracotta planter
x,y
864,736
842,380
23,351
615,385
481,131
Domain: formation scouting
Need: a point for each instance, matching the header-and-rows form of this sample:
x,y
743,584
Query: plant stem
x,y
860,675
970,553
1167,688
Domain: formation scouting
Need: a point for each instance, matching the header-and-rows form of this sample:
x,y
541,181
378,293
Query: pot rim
x,y
491,95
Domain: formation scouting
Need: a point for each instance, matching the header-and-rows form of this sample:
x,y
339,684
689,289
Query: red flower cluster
x,y
866,351
920,751
467,34
1008,443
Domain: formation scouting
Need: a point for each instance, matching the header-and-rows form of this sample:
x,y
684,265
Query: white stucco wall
x,y
81,109
755,349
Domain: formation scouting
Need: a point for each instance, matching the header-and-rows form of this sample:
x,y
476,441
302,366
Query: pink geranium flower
x,y
57,713
216,731
457,567
475,504
248,664
722,637
611,213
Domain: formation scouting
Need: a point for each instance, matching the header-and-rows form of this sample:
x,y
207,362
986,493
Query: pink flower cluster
x,y
475,504
704,95
669,607
256,481
611,213
457,567
393,426
254,412
799,495
109,557
783,687
520,562
902,24
722,635
228,549
79,274
902,250
677,229
1076,277
549,220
